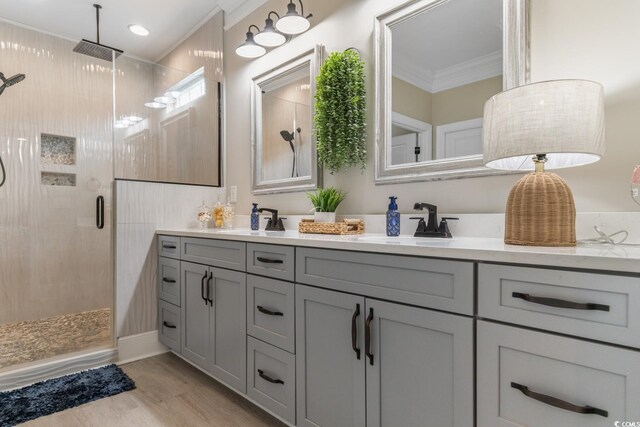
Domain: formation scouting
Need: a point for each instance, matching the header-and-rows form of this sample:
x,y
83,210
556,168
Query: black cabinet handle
x,y
168,325
552,302
268,378
270,261
206,273
209,288
367,337
354,331
100,212
165,280
261,309
558,403
168,246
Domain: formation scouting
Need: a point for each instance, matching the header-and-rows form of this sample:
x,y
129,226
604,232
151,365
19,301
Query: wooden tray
x,y
344,227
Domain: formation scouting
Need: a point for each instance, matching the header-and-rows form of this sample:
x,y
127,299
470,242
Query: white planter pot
x,y
324,216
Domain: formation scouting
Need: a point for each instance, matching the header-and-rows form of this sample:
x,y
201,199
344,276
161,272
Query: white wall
x,y
570,38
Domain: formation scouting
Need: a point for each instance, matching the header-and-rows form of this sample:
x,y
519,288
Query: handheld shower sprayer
x,y
290,137
8,82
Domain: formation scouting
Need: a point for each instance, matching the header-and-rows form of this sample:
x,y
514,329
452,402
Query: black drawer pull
x,y
268,378
261,309
552,302
168,325
354,331
367,337
206,301
554,401
165,280
164,246
270,261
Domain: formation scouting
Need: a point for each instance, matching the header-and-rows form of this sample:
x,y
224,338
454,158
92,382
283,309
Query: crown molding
x,y
236,10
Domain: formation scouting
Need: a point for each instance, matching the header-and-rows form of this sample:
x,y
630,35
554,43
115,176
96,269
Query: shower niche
x,y
57,160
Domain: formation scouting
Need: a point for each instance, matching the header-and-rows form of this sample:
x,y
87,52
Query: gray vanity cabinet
x,y
417,370
330,375
422,368
214,321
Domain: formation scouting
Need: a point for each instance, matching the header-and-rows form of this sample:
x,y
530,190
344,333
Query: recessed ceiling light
x,y
138,30
155,105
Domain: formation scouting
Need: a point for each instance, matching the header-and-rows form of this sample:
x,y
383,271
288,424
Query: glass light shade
x,y
133,119
563,119
121,125
292,23
155,105
138,30
269,37
249,49
164,99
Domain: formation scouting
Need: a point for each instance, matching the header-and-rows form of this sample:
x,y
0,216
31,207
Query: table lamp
x,y
546,125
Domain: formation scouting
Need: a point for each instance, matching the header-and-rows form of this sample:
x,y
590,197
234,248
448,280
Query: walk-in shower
x,y
56,139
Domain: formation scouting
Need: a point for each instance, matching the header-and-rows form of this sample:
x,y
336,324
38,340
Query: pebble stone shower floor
x,y
40,339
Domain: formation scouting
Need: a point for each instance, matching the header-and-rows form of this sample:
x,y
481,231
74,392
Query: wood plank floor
x,y
170,392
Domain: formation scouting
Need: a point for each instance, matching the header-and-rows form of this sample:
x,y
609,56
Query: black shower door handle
x,y
100,212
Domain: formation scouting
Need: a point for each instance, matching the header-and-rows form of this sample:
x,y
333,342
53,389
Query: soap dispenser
x,y
255,217
393,218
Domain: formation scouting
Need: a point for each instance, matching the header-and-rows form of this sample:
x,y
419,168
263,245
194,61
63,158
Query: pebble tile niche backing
x,y
57,150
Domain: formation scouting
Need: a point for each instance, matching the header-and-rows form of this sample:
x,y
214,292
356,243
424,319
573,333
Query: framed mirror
x,y
283,146
437,62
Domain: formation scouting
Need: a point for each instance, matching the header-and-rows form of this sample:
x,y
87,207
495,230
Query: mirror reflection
x,y
167,124
286,126
447,60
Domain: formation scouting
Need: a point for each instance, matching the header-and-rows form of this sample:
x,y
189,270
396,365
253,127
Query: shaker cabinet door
x,y
195,314
419,367
330,374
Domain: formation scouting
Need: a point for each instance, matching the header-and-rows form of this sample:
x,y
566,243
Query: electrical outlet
x,y
233,194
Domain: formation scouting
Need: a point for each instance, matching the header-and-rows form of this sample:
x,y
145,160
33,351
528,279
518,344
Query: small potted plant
x,y
325,202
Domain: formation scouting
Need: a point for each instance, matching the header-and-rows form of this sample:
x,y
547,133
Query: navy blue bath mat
x,y
58,394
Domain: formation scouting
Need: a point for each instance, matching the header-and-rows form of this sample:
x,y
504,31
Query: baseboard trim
x,y
43,371
140,346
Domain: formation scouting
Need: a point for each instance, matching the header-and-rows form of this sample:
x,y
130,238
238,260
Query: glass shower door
x,y
56,244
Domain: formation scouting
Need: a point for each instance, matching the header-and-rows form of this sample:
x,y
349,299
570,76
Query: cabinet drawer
x,y
568,373
271,378
169,325
271,260
218,253
169,246
169,280
271,311
434,283
597,306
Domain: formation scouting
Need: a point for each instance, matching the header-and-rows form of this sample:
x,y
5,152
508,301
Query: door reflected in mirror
x,y
447,61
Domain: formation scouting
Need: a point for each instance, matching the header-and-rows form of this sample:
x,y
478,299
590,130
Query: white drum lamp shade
x,y
554,124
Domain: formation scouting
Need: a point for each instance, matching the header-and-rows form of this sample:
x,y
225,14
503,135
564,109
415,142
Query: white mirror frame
x,y
515,73
314,58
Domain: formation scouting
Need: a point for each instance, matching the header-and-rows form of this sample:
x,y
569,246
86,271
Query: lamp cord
x,y
608,239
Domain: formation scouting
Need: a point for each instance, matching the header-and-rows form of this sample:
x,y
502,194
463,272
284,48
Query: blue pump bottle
x,y
393,218
255,217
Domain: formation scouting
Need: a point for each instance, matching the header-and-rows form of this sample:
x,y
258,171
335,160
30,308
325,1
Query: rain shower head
x,y
95,49
8,82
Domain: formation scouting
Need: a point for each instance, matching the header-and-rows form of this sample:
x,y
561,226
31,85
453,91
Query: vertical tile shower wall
x,y
56,142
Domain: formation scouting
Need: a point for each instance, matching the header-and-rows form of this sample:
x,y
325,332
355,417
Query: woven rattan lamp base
x,y
540,212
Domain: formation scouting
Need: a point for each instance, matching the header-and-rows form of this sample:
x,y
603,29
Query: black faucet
x,y
429,228
274,223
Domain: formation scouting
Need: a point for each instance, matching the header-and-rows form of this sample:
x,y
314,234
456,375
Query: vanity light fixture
x,y
139,30
294,23
269,36
250,49
553,124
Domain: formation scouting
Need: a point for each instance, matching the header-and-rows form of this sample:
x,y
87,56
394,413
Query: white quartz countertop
x,y
619,258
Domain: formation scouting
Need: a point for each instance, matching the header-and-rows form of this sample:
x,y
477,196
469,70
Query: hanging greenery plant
x,y
340,112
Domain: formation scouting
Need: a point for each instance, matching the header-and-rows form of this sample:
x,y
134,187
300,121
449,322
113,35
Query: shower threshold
x,y
35,340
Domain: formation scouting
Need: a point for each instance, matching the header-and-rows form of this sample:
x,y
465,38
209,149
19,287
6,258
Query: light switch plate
x,y
233,194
